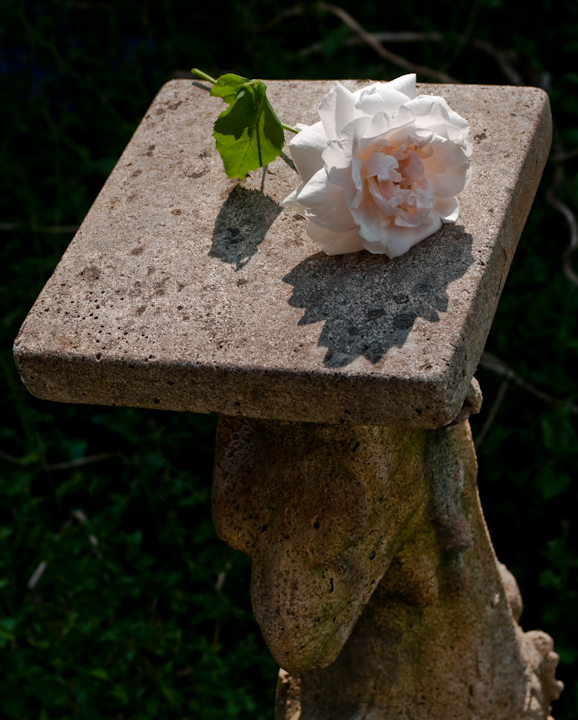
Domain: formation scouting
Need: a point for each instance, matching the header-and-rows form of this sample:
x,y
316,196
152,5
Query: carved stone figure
x,y
373,578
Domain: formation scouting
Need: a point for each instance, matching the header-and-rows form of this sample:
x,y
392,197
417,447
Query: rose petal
x,y
336,110
409,134
405,219
383,166
383,123
405,84
432,110
306,149
399,239
338,154
292,202
387,201
356,170
448,209
372,221
334,243
448,132
380,98
325,203
445,154
453,181
358,93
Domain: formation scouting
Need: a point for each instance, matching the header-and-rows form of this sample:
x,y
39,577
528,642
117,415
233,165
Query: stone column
x,y
373,577
344,463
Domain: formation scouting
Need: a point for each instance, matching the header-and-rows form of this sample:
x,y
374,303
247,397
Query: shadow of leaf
x,y
369,304
242,224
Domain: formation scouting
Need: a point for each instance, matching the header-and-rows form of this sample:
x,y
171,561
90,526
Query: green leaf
x,y
172,696
227,87
51,691
552,481
7,625
248,134
100,674
70,485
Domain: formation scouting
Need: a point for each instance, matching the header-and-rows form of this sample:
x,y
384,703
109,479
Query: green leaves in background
x,y
248,134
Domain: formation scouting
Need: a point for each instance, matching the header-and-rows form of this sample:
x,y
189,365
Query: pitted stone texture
x,y
184,290
373,577
320,509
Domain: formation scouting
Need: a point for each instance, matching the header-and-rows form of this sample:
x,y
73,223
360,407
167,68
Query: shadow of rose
x,y
369,304
242,224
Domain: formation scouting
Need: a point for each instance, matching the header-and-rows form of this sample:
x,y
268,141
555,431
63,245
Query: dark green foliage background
x,y
142,612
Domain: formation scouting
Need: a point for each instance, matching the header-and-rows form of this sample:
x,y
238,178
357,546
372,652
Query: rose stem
x,y
204,75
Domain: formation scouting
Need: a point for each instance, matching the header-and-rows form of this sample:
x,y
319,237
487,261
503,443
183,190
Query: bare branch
x,y
50,229
290,12
367,39
493,412
11,458
83,461
63,465
36,575
392,37
80,515
60,229
502,57
495,365
557,204
565,155
222,575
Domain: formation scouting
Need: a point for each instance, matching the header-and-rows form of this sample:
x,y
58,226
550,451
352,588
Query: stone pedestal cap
x,y
184,290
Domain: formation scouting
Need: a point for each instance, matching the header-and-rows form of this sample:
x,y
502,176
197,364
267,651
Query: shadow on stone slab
x,y
368,303
242,224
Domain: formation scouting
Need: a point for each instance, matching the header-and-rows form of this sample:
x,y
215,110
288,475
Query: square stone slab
x,y
184,290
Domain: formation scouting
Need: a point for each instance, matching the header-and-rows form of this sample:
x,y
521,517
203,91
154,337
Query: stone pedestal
x,y
344,465
373,576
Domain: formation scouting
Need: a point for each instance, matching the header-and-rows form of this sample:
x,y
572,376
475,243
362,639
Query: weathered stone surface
x,y
314,506
186,291
373,577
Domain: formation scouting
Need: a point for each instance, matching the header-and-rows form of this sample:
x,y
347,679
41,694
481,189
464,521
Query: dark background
x,y
141,611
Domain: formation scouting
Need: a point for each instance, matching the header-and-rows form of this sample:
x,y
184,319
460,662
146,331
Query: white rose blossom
x,y
382,168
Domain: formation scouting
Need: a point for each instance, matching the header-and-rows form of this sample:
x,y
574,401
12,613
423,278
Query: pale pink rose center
x,y
394,179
